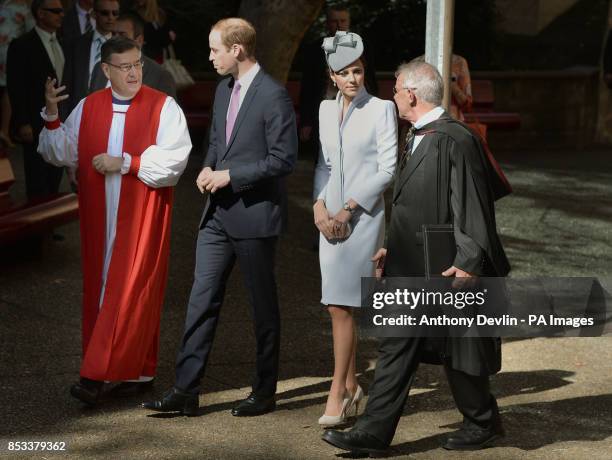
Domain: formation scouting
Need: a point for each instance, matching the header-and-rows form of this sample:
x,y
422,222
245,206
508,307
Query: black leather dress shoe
x,y
254,405
126,389
356,441
87,391
175,401
473,438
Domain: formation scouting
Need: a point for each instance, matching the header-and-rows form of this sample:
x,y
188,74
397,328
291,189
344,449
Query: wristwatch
x,y
347,207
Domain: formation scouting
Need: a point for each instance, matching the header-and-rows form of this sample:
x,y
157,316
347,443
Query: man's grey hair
x,y
424,80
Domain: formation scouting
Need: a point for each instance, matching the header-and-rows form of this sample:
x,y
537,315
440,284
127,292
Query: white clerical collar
x,y
246,80
119,97
430,116
44,35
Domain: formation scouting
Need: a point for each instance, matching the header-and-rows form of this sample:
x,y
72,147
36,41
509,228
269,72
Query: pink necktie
x,y
232,113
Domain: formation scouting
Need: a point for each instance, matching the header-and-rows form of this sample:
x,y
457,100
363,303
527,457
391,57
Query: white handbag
x,y
177,70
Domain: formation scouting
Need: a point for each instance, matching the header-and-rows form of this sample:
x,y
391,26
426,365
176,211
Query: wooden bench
x,y
22,220
483,110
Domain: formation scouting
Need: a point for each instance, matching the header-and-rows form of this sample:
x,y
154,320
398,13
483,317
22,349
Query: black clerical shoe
x,y
87,391
254,405
127,389
175,401
473,438
355,441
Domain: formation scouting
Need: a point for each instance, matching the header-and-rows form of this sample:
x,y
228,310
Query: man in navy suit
x,y
78,20
253,144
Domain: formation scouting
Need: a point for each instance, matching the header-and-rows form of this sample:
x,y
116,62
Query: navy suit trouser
x,y
216,254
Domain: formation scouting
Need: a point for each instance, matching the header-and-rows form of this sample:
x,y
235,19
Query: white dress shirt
x,y
95,50
430,116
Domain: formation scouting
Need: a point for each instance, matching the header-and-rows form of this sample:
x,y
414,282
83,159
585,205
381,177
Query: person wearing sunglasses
x,y
32,58
85,51
131,145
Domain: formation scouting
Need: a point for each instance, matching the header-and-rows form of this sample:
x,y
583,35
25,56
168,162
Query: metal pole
x,y
439,40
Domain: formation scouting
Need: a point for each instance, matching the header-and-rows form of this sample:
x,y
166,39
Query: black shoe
x,y
175,401
254,405
127,389
356,441
473,438
87,391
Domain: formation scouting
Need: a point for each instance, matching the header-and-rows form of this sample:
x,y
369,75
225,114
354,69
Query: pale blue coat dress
x,y
357,160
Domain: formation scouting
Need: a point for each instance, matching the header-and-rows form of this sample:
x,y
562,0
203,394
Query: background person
x,y
31,59
15,20
158,33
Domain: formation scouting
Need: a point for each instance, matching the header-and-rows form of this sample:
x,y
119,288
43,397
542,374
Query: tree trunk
x,y
604,118
280,26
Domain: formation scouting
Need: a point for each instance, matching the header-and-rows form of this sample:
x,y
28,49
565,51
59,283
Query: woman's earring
x,y
334,84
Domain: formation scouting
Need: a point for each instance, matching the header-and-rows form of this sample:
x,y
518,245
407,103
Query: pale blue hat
x,y
342,49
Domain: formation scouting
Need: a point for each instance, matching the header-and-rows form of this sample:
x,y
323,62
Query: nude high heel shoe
x,y
332,420
353,408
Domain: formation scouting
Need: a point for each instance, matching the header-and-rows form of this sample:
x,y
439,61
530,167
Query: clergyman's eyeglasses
x,y
125,68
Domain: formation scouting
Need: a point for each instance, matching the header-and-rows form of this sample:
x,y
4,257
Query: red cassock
x,y
121,333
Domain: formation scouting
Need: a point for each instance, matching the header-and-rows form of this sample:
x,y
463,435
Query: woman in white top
x,y
358,134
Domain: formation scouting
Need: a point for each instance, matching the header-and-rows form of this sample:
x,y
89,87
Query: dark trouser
x,y
215,257
42,179
398,360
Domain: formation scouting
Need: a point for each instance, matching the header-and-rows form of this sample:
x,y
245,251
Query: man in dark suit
x,y
83,53
130,25
31,59
77,21
443,177
253,144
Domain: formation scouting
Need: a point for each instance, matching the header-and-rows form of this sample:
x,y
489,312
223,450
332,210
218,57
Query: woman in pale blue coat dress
x,y
358,134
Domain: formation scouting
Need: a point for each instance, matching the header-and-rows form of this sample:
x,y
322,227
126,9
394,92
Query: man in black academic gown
x,y
443,177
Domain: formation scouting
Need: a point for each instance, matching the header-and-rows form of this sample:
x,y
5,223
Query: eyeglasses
x,y
125,68
54,10
395,90
108,12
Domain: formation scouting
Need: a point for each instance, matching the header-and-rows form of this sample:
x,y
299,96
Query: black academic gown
x,y
422,195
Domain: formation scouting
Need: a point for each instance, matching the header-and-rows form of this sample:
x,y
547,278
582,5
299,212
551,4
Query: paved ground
x,y
554,394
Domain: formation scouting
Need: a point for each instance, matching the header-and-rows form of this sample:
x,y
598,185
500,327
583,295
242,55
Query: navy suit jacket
x,y
71,27
261,151
76,70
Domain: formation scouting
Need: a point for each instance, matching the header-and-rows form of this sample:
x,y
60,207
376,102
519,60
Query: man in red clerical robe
x,y
130,144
